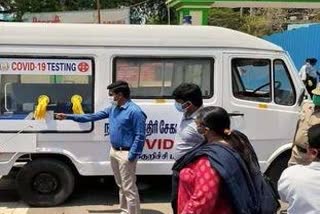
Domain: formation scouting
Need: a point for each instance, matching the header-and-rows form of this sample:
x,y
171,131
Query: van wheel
x,y
45,182
278,165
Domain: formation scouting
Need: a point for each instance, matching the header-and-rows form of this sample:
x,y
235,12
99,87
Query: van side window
x,y
251,79
158,77
284,93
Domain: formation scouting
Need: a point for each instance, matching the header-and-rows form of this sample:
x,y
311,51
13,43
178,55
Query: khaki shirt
x,y
307,119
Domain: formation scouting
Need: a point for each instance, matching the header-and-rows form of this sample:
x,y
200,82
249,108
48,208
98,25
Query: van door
x,y
262,100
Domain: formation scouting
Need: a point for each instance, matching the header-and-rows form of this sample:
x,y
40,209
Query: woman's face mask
x,y
201,128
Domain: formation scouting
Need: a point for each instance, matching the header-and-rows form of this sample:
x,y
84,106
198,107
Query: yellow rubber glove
x,y
76,101
41,109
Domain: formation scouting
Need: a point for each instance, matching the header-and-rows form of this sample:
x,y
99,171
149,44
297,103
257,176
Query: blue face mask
x,y
179,107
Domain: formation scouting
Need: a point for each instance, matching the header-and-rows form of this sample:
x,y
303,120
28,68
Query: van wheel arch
x,y
278,165
66,160
45,182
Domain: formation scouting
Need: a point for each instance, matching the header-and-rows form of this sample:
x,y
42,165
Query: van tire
x,y
278,166
45,182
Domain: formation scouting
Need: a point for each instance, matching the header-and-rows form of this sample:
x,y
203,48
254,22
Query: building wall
x,y
108,16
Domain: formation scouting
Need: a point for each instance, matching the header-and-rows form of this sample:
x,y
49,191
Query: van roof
x,y
129,36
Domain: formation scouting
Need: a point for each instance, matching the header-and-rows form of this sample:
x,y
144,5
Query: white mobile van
x,y
254,80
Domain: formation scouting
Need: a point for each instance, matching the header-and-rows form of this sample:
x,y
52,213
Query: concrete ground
x,y
91,196
94,196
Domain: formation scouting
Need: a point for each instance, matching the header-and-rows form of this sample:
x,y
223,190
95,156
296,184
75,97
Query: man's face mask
x,y
182,107
115,98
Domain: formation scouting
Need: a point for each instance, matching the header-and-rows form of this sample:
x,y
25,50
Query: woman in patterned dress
x,y
200,188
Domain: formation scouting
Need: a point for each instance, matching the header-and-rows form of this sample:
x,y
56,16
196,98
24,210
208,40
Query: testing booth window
x,y
62,85
158,77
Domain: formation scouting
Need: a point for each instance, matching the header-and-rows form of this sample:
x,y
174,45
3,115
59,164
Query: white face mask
x,y
115,99
112,101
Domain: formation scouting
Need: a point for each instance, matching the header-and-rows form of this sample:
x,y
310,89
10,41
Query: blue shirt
x,y
127,126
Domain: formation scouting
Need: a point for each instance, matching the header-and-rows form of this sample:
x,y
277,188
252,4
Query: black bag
x,y
268,195
310,87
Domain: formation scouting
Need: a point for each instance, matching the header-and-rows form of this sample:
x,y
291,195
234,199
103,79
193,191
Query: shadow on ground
x,y
143,211
102,191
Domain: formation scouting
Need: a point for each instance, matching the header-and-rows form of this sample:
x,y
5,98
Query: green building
x,y
198,10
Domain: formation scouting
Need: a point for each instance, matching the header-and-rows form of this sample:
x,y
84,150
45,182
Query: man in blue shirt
x,y
127,136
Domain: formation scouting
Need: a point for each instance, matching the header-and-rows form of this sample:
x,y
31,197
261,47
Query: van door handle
x,y
236,114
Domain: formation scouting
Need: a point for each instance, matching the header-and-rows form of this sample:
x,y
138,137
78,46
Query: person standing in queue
x,y
309,116
188,100
308,74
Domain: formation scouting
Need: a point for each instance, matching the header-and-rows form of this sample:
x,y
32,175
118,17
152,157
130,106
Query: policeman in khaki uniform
x,y
310,116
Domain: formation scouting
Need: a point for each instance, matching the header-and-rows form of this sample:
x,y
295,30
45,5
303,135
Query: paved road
x,y
93,196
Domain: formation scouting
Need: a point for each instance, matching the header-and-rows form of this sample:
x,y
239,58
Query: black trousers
x,y
314,84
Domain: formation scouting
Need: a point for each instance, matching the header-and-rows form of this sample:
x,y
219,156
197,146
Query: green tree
x,y
257,22
256,25
225,17
151,12
22,6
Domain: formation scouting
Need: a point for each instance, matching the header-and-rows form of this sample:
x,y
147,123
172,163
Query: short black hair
x,y
188,92
120,86
312,61
314,136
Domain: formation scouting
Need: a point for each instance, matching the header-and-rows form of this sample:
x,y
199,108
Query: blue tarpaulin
x,y
301,43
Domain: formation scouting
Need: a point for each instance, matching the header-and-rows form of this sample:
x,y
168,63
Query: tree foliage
x,y
256,25
258,22
225,17
150,12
